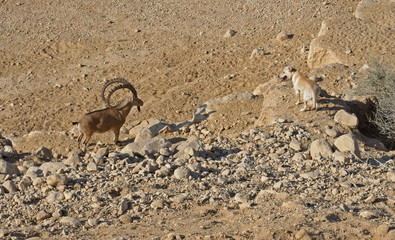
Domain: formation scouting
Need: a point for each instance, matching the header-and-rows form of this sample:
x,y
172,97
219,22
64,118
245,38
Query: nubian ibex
x,y
110,118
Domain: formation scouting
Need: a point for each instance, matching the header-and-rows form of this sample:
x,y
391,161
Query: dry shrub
x,y
379,81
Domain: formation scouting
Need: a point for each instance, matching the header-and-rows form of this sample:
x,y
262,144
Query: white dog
x,y
307,87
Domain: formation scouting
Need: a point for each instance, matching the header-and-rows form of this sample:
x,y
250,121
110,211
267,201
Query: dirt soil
x,y
56,55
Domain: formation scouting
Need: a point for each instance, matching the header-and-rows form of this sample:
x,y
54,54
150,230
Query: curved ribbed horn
x,y
109,83
116,88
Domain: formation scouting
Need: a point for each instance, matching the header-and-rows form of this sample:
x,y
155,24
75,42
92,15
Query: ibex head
x,y
122,84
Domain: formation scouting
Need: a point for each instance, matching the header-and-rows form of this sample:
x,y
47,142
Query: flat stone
x,y
310,175
382,230
367,214
42,215
150,146
301,234
52,167
158,204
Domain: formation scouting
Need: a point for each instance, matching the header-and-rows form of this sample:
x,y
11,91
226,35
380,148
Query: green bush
x,y
379,81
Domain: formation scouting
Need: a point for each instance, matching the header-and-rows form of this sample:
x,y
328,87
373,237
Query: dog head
x,y
287,73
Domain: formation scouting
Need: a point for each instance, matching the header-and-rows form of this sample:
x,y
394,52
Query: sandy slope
x,y
55,56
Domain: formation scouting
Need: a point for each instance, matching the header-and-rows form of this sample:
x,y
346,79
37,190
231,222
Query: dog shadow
x,y
330,103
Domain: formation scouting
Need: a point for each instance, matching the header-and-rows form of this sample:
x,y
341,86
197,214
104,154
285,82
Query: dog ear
x,y
291,69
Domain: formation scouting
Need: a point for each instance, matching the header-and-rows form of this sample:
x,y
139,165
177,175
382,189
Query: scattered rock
x,y
10,186
91,167
181,173
44,153
282,36
102,152
158,204
258,52
55,197
73,160
391,176
144,133
42,215
331,132
295,145
367,214
147,146
301,234
7,151
230,33
8,168
57,180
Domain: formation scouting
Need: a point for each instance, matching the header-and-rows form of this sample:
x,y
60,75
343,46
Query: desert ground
x,y
219,149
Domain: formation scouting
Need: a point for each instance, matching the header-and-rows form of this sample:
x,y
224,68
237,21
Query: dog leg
x,y
298,96
305,106
315,99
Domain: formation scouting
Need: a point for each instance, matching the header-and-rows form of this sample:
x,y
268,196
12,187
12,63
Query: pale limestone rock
x,y
347,142
320,148
346,119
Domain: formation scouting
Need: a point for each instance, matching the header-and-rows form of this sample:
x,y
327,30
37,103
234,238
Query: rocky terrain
x,y
219,150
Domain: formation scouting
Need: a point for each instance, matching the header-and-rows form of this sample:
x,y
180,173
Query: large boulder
x,y
348,143
349,41
379,12
346,119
